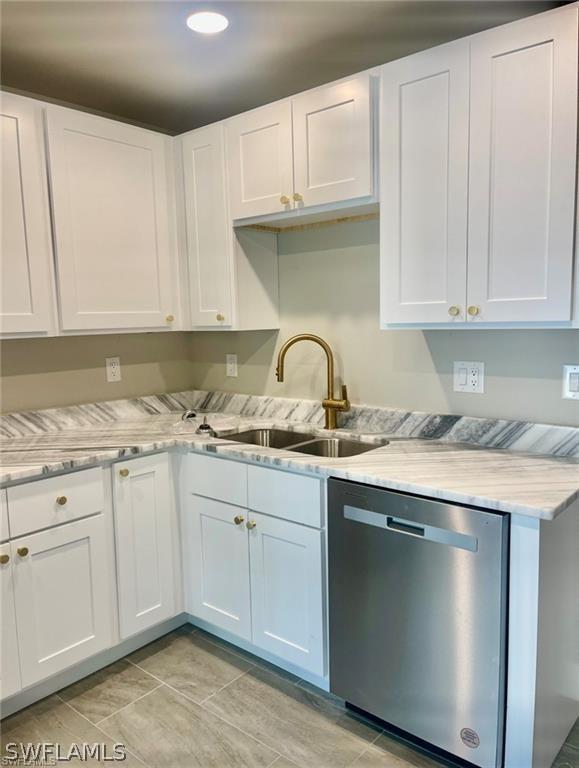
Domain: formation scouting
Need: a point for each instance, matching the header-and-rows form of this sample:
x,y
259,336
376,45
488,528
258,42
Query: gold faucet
x,y
330,404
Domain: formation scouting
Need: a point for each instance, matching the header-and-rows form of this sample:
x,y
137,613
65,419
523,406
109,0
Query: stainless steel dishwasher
x,y
418,616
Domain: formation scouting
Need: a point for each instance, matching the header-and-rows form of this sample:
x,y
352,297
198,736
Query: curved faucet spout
x,y
330,404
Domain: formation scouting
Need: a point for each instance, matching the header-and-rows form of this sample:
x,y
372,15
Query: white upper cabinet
x,y
259,146
332,138
523,145
27,292
112,224
313,149
209,231
424,180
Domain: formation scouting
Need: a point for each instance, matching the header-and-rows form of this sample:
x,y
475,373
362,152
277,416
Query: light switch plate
x,y
469,377
231,365
571,382
113,368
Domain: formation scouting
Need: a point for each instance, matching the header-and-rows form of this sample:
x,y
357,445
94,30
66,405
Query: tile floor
x,y
190,700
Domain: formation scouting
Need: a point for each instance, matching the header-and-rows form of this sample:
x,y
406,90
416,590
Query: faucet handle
x,y
344,392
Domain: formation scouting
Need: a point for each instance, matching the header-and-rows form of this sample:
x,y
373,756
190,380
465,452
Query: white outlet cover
x,y
231,365
571,382
469,377
113,368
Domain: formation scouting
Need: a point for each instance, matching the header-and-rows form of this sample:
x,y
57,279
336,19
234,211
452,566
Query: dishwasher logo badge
x,y
470,738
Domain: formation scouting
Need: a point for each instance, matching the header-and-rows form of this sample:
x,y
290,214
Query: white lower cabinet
x,y
217,564
287,591
63,599
144,524
10,682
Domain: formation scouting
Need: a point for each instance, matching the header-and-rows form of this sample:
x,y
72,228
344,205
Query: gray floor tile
x,y
113,687
165,729
376,758
300,725
51,721
191,664
395,748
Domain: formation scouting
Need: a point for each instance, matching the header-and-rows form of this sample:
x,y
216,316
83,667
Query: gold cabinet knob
x,y
284,200
297,197
170,318
473,310
238,519
250,525
454,310
219,317
22,551
4,559
124,472
61,500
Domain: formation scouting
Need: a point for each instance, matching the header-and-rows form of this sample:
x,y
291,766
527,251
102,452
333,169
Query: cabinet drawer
x,y
280,494
4,530
34,506
217,478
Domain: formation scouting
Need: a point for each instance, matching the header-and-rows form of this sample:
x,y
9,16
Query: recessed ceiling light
x,y
207,22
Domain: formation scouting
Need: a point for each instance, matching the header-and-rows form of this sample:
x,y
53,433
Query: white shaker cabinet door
x,y
209,230
523,144
64,606
423,187
259,157
217,564
27,282
111,223
286,591
9,660
144,521
332,137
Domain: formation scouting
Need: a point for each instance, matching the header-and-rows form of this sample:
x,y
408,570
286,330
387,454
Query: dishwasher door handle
x,y
402,526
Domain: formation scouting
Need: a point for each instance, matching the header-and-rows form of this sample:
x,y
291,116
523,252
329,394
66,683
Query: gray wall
x,y
329,286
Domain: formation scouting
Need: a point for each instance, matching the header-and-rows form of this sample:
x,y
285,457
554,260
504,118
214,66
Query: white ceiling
x,y
137,60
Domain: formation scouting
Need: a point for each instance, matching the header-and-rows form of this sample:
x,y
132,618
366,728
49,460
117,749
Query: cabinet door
x,y
259,146
523,144
10,662
144,520
424,178
111,222
64,607
217,564
286,591
26,268
332,136
209,230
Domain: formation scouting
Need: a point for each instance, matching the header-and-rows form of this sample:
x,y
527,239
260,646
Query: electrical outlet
x,y
231,365
469,377
113,368
571,382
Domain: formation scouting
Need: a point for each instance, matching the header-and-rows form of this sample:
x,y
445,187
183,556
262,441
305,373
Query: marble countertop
x,y
507,481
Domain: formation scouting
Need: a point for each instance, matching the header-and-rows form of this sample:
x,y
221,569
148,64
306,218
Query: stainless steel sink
x,y
270,438
334,447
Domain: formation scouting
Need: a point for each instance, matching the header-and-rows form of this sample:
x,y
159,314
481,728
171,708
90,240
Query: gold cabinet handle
x,y
250,525
454,310
219,317
284,200
170,318
61,500
238,519
22,551
473,310
297,197
4,559
124,472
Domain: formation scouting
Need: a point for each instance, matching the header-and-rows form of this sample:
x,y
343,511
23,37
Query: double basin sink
x,y
299,442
